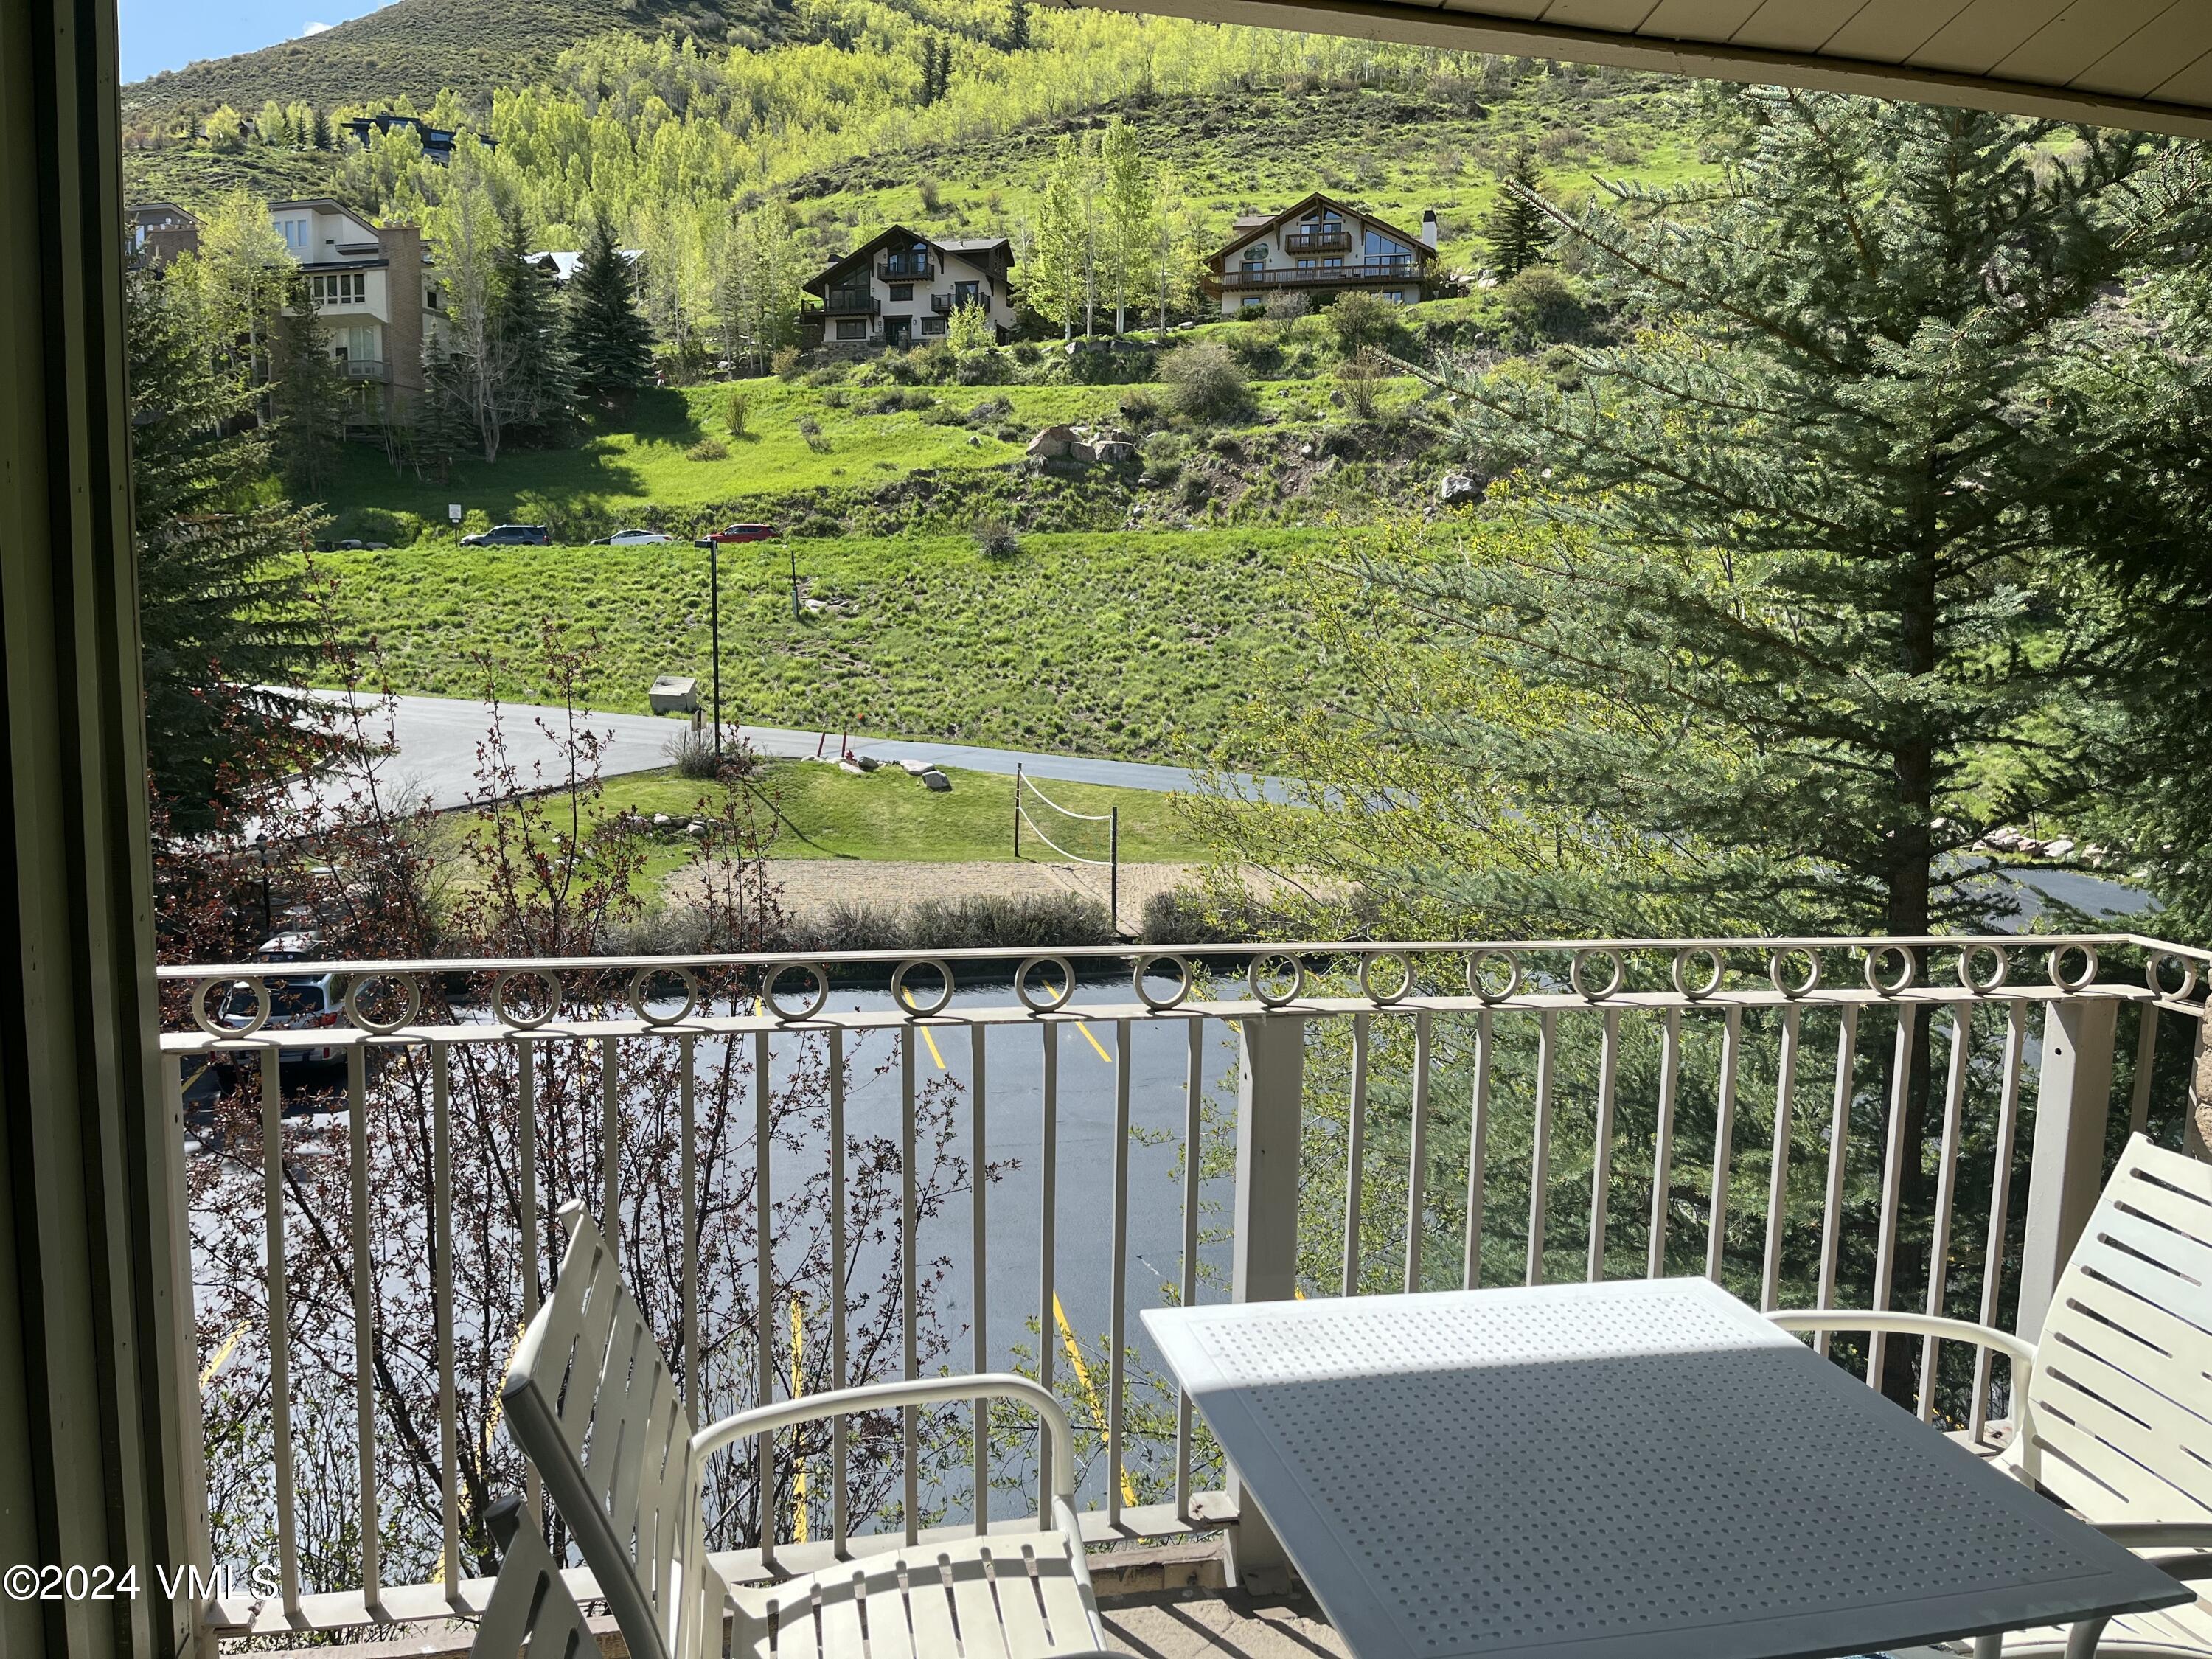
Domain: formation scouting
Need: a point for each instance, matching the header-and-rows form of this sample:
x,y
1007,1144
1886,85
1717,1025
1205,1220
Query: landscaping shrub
x,y
1541,303
1205,382
1039,921
986,366
1366,322
1141,411
811,429
990,410
693,752
1226,443
1286,305
707,449
995,538
1359,377
786,363
737,414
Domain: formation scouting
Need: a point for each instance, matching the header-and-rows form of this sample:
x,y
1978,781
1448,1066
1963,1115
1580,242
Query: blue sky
x,y
159,34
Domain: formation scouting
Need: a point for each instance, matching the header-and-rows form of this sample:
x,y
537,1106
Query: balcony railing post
x,y
1264,1261
2197,1136
2073,1104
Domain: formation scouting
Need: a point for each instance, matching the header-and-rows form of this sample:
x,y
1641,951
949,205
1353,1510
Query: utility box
x,y
674,694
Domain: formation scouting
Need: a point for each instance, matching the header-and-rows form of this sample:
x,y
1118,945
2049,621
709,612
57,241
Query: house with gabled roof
x,y
902,288
1323,247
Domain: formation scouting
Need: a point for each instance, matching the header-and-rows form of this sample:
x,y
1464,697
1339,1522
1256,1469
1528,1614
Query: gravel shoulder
x,y
815,884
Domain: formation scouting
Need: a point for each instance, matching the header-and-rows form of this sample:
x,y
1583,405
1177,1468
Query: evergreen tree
x,y
222,600
1520,232
1808,564
609,346
526,336
308,394
1811,540
1018,25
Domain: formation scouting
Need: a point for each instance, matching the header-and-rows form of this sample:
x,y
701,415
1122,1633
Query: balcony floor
x,y
1217,1623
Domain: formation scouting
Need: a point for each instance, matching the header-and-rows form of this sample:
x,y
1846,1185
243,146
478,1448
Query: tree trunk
x,y
1909,880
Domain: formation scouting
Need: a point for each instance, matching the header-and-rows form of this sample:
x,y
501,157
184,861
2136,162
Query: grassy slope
x,y
643,464
886,815
1109,645
640,471
417,47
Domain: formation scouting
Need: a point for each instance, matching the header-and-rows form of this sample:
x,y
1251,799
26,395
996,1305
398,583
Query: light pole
x,y
714,605
793,553
261,851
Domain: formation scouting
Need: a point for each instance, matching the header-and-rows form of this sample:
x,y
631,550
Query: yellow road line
x,y
1083,1026
499,1400
491,1424
798,1388
216,1360
926,1036
1090,1393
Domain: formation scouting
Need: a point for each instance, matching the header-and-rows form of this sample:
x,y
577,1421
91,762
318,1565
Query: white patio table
x,y
1602,1471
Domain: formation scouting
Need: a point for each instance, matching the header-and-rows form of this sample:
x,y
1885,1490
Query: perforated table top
x,y
1598,1471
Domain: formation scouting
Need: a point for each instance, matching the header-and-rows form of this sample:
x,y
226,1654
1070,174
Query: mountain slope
x,y
417,47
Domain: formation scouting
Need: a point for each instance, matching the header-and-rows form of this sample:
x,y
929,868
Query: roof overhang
x,y
2141,64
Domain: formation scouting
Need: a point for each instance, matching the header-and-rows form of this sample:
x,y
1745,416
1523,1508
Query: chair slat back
x,y
532,1614
2121,1400
591,1401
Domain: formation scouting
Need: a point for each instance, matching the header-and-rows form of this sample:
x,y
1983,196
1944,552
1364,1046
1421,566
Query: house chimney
x,y
1428,227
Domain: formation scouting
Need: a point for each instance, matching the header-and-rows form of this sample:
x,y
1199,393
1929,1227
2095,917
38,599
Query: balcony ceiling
x,y
2144,64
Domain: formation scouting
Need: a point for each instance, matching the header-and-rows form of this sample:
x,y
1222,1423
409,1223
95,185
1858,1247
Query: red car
x,y
740,533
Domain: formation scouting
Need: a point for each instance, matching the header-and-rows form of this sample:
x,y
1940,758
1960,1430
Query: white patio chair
x,y
2113,1404
589,1399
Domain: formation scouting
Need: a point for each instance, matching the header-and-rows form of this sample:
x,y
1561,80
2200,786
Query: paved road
x,y
436,741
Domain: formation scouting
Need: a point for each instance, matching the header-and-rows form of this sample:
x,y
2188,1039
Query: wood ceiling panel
x,y
1529,10
2192,86
1890,31
2170,41
1796,25
1624,14
2085,32
1698,19
1985,33
2025,57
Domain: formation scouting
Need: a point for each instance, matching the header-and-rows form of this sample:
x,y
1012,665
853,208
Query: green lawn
x,y
641,472
1127,646
822,811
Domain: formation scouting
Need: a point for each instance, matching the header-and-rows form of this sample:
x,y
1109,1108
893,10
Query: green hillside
x,y
416,49
1133,646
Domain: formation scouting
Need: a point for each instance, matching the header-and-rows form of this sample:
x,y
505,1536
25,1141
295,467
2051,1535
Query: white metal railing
x,y
1391,1096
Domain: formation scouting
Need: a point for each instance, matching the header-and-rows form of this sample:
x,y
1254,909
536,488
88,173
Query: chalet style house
x,y
1321,247
902,287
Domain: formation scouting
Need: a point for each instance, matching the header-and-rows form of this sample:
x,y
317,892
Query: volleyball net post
x,y
1111,818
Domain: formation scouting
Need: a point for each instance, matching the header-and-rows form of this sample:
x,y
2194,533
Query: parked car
x,y
633,538
511,535
297,1003
738,532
